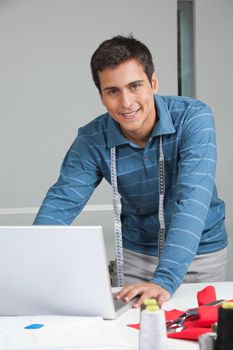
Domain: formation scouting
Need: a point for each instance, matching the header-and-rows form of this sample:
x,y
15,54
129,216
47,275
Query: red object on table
x,y
207,315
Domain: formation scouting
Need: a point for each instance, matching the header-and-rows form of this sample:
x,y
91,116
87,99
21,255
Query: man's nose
x,y
126,99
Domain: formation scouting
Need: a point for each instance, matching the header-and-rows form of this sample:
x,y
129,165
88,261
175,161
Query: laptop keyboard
x,y
119,304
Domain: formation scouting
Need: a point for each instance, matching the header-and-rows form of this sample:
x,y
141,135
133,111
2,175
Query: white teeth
x,y
131,114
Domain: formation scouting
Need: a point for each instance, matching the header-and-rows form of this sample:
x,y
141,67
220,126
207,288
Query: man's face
x,y
127,94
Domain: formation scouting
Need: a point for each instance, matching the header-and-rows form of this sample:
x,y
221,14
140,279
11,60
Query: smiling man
x,y
128,96
159,154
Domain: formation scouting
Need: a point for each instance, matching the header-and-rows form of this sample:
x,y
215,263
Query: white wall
x,y
214,77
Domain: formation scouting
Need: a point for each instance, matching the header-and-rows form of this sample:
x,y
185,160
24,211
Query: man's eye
x,y
135,86
112,92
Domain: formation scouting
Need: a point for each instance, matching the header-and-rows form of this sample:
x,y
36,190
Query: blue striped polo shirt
x,y
194,215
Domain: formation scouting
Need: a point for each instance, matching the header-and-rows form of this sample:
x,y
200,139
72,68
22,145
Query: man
x,y
159,153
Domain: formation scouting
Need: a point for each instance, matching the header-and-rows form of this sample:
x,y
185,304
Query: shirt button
x,y
146,158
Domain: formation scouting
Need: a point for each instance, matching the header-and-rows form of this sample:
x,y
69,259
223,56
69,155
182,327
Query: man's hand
x,y
144,291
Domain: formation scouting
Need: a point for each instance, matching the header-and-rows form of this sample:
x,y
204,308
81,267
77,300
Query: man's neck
x,y
138,140
141,137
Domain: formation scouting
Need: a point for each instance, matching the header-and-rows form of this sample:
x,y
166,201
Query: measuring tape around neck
x,y
161,235
117,212
117,221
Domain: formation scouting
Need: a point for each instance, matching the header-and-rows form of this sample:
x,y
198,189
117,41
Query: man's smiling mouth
x,y
130,115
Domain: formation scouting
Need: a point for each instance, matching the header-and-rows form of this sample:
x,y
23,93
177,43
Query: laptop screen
x,y
56,270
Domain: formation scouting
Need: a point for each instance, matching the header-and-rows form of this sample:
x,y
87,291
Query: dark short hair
x,y
112,52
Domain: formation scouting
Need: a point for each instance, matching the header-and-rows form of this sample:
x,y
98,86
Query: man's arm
x,y
79,176
194,191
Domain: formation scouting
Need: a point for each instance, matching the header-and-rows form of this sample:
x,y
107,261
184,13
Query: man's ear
x,y
154,83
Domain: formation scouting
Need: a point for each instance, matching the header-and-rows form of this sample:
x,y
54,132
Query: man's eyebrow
x,y
110,88
129,84
135,82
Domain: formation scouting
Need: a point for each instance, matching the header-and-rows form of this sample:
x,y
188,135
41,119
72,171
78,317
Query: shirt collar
x,y
163,126
114,134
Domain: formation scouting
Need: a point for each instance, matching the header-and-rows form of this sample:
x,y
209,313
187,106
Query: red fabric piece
x,y
192,331
135,325
206,295
207,316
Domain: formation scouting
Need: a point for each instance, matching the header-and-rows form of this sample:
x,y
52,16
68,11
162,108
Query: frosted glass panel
x,y
186,81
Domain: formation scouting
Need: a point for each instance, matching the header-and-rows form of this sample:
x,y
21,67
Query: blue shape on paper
x,y
34,326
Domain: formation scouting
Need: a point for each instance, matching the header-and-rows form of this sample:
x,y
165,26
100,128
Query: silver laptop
x,y
55,270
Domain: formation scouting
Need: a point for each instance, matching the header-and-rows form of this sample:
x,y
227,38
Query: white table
x,y
184,298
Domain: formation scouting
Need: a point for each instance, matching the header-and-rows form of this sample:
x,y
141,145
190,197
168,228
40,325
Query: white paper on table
x,y
59,332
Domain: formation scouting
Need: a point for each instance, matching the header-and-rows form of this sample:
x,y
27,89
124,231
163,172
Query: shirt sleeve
x,y
79,176
194,189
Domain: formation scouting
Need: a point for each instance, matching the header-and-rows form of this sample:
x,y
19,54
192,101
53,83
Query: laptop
x,y
55,270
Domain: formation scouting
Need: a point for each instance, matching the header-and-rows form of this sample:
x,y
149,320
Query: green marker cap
x,y
150,301
227,305
152,308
